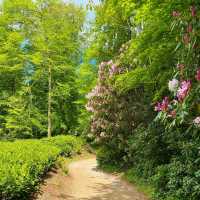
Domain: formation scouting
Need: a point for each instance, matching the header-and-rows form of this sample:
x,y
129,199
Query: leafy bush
x,y
142,184
180,178
177,180
109,156
74,144
149,147
23,162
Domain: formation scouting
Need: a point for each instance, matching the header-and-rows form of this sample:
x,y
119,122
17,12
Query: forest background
x,y
136,71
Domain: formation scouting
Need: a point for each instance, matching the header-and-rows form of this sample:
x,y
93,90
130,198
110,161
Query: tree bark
x,y
49,101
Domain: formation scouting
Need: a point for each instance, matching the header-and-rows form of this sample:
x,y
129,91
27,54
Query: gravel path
x,y
86,182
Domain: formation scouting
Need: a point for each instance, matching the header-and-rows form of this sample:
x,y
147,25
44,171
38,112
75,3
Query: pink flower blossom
x,y
158,107
165,104
176,14
110,62
114,70
162,106
198,75
193,11
183,90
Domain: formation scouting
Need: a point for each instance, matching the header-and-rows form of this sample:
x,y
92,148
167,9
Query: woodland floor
x,y
86,182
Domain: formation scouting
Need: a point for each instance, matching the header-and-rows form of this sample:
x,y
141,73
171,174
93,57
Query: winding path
x,y
86,182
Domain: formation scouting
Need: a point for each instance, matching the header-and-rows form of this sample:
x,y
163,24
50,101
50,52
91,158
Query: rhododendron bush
x,y
106,106
113,115
101,101
182,106
180,113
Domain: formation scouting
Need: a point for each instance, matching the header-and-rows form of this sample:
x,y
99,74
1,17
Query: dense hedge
x,y
23,162
74,144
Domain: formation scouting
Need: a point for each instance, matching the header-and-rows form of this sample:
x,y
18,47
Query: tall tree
x,y
43,40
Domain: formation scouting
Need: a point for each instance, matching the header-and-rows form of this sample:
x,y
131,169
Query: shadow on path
x,y
86,182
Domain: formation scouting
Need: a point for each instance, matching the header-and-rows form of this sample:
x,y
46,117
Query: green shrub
x,y
177,180
23,162
110,155
68,144
104,156
146,149
142,184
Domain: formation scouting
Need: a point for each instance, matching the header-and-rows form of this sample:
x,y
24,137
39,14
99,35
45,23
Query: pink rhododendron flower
x,y
114,70
183,90
176,14
193,11
96,92
196,121
198,75
110,62
165,104
162,106
158,107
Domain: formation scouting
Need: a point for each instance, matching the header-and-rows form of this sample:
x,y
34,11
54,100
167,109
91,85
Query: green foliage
x,y
74,144
23,120
133,80
109,156
32,41
87,79
23,162
142,184
164,154
177,180
41,41
146,149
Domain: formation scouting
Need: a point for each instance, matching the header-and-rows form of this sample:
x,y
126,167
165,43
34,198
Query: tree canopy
x,y
40,51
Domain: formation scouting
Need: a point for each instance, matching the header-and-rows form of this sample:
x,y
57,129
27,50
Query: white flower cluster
x,y
173,85
197,122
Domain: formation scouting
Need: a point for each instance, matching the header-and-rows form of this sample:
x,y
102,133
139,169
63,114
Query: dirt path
x,y
86,182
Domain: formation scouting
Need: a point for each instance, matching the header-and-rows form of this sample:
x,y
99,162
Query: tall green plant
x,y
39,55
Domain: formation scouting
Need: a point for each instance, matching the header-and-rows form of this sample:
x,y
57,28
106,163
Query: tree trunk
x,y
49,102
